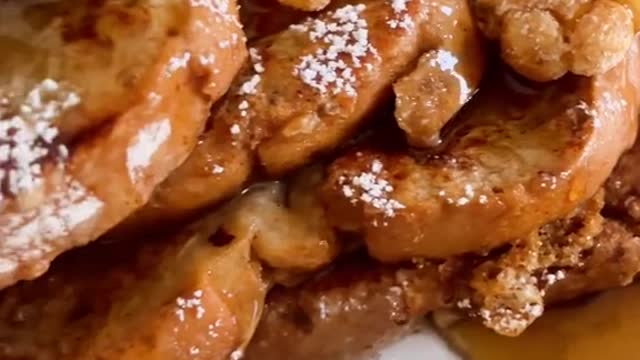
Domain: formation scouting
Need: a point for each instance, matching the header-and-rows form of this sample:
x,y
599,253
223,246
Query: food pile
x,y
307,179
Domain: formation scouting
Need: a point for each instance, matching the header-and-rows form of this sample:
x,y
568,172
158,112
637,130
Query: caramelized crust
x,y
543,40
359,305
184,55
294,101
505,168
187,297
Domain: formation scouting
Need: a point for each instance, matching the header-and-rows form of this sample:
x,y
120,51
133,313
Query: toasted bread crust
x,y
503,171
289,117
112,172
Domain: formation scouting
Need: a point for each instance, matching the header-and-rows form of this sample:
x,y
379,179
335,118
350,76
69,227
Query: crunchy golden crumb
x,y
543,40
508,292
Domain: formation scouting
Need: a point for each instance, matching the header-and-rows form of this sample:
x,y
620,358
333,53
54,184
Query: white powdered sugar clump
x,y
28,135
250,86
177,62
193,303
28,236
372,190
401,17
346,36
147,142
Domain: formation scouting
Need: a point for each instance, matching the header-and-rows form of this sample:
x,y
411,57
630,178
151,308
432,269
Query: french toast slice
x,y
360,305
515,159
189,296
306,90
99,102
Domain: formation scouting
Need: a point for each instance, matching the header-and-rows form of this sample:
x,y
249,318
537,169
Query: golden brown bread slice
x,y
98,104
305,92
191,296
515,159
196,295
360,305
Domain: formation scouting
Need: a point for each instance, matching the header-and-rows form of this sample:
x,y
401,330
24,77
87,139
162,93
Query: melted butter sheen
x,y
605,328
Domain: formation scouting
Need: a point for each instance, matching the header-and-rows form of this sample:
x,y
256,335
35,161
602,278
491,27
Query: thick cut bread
x,y
306,90
187,297
515,159
99,102
360,305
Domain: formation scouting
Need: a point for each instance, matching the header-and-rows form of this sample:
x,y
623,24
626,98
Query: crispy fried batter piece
x,y
358,306
515,159
98,104
306,90
543,40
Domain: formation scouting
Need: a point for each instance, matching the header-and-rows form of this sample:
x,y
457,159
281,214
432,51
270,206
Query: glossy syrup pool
x,y
605,327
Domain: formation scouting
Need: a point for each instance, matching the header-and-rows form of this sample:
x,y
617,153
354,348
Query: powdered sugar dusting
x,y
446,61
28,136
30,235
177,62
345,35
401,18
147,142
372,190
194,303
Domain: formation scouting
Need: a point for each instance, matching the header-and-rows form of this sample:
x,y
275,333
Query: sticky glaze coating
x,y
543,40
131,300
505,169
140,77
292,102
357,307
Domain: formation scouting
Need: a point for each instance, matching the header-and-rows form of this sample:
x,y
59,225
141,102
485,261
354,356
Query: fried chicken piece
x,y
543,40
515,159
98,104
307,89
359,305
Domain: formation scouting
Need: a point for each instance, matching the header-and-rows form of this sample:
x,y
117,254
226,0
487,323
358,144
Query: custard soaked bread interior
x,y
99,102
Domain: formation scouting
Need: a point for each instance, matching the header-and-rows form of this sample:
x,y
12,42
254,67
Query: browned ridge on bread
x,y
98,104
516,158
307,88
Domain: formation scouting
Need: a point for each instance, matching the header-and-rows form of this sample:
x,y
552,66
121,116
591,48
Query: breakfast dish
x,y
308,179
99,104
